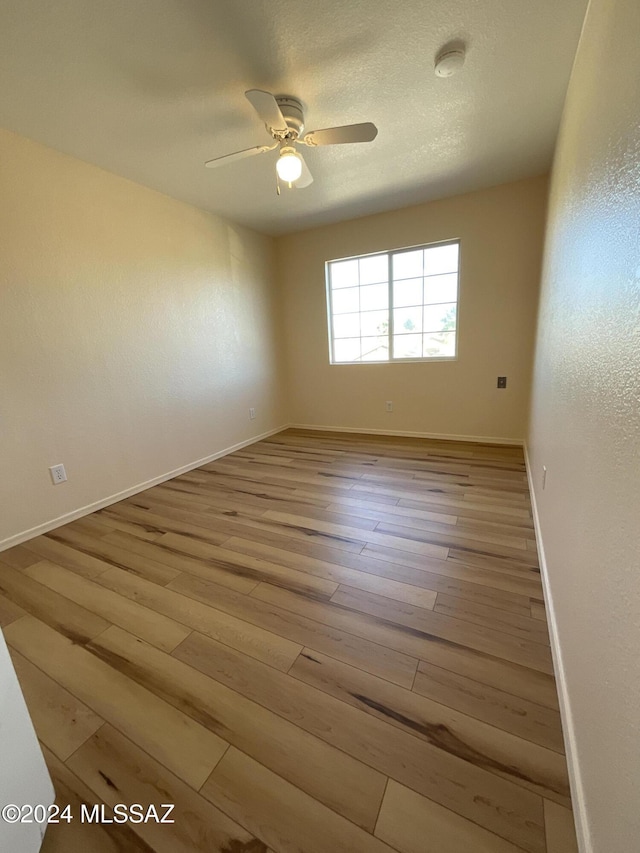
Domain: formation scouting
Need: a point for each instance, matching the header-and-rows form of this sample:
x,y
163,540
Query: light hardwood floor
x,y
324,643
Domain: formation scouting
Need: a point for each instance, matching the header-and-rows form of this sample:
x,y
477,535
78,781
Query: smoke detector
x,y
449,61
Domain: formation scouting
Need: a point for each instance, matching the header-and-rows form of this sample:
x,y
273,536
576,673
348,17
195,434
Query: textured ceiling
x,y
151,89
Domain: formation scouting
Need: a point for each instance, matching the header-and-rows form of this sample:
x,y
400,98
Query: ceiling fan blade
x,y
267,108
306,177
238,155
365,132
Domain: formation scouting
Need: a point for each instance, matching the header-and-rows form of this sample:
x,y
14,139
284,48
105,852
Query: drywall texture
x,y
585,424
501,233
135,332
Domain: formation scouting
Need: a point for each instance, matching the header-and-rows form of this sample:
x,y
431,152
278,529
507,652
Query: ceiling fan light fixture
x,y
289,164
283,118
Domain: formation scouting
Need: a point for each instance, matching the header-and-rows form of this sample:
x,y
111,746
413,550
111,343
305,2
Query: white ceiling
x,y
150,89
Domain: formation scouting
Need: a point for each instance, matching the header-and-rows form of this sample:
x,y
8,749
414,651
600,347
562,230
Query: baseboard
x,y
475,439
133,490
575,777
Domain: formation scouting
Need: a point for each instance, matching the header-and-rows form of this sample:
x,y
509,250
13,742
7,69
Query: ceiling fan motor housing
x,y
291,109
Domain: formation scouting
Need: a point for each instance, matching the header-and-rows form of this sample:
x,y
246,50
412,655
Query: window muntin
x,y
394,306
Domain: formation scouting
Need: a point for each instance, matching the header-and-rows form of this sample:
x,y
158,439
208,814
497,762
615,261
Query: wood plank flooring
x,y
323,643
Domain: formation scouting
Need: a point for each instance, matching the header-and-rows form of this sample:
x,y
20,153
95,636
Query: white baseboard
x,y
475,439
133,490
575,776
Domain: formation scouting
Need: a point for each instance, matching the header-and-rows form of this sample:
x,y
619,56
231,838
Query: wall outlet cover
x,y
58,474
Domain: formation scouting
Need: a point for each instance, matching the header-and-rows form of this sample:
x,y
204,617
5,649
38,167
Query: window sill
x,y
394,361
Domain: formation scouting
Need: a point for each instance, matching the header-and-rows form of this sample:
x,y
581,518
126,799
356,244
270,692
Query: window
x,y
394,306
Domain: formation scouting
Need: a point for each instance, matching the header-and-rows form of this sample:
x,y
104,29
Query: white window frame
x,y
391,253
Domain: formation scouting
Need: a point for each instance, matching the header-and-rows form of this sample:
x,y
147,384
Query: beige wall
x,y
585,424
501,232
135,332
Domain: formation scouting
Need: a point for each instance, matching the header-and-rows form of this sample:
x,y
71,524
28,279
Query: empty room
x,y
319,426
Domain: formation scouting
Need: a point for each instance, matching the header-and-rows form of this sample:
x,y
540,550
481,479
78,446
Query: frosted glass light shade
x,y
289,166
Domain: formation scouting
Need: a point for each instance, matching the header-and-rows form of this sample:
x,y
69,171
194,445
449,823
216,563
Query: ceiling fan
x,y
283,117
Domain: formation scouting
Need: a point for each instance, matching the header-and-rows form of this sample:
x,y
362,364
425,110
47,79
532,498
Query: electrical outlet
x,y
58,474
544,476
389,406
502,381
252,414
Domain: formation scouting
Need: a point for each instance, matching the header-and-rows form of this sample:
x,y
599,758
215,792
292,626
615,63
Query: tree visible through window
x,y
394,306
